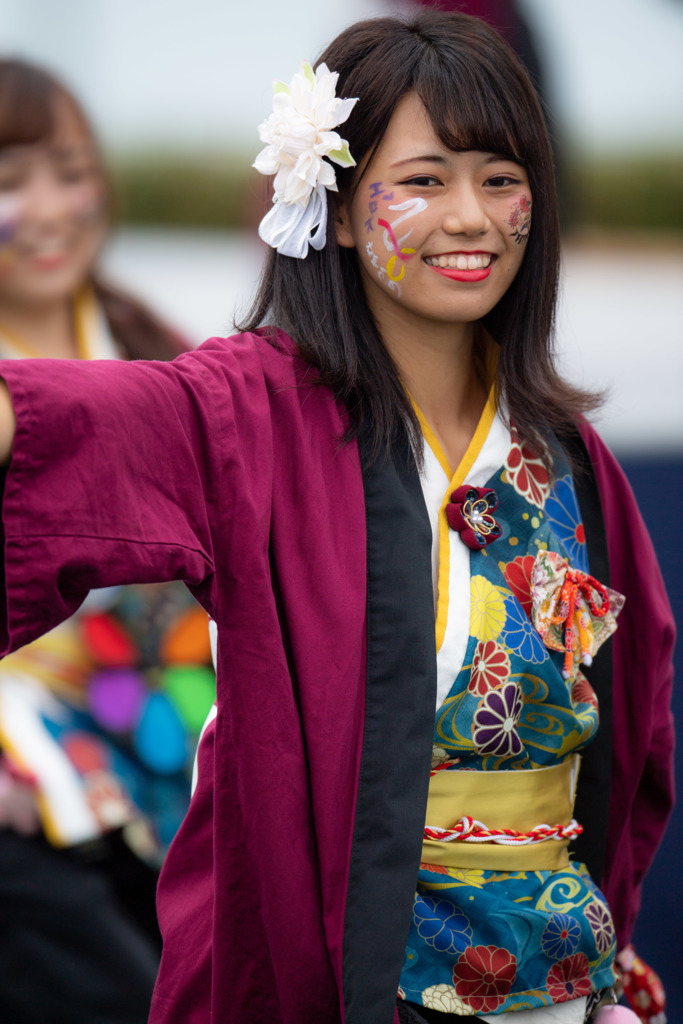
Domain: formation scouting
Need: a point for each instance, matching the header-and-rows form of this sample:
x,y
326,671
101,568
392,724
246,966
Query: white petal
x,y
326,142
282,102
297,189
266,162
326,176
308,166
343,110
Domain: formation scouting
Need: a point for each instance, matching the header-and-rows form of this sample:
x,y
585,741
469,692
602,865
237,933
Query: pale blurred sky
x,y
198,74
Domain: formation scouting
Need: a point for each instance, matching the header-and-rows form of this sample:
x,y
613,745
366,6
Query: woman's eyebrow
x,y
61,152
440,159
505,157
436,158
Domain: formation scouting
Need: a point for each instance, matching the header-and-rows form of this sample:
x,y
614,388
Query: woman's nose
x,y
466,214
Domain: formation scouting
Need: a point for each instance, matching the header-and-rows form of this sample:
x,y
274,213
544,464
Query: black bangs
x,y
469,80
27,104
472,122
476,100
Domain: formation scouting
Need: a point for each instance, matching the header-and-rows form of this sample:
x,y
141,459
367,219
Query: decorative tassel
x,y
578,583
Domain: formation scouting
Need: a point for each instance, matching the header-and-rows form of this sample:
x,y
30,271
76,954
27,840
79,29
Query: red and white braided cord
x,y
469,830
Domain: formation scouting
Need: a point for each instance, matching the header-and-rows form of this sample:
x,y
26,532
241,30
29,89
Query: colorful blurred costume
x,y
103,712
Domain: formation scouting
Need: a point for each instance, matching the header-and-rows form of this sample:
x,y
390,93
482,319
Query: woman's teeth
x,y
460,262
49,248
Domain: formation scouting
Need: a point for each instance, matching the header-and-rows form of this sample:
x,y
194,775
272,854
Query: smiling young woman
x,y
455,210
387,498
55,223
435,236
55,214
82,825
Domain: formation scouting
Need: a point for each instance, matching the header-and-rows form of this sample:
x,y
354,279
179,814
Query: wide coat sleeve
x,y
117,475
642,785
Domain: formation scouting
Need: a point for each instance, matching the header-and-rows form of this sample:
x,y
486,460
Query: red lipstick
x,y
479,274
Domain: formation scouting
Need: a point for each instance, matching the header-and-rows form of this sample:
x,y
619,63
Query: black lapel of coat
x,y
399,724
593,795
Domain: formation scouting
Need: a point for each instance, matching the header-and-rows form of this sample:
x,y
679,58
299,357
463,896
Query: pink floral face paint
x,y
520,220
87,203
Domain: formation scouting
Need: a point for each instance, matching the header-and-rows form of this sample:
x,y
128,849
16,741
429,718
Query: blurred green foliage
x,y
206,190
215,190
643,193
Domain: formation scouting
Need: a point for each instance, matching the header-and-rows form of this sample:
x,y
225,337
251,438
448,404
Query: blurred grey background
x,y
176,90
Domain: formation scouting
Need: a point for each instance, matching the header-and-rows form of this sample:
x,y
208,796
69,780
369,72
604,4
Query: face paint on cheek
x,y
382,275
87,203
395,265
10,207
394,271
10,210
520,220
376,193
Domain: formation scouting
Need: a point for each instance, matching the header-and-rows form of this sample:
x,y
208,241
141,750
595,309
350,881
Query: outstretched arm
x,y
110,481
8,424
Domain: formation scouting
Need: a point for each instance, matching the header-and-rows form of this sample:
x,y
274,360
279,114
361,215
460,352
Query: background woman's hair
x,y
478,97
28,99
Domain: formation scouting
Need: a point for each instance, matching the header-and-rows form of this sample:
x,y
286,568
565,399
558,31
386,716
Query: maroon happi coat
x,y
286,896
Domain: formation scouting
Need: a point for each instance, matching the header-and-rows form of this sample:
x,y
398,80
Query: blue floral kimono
x,y
486,940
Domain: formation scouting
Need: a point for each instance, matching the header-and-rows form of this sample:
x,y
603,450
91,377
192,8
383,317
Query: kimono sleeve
x,y
112,474
642,790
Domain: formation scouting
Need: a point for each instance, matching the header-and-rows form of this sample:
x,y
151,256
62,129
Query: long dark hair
x,y
28,99
478,97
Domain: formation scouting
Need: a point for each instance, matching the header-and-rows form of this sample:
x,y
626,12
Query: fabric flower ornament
x,y
469,513
571,611
300,143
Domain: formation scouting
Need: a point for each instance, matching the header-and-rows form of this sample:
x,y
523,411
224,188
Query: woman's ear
x,y
343,226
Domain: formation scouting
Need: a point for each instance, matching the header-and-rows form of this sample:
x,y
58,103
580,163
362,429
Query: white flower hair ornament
x,y
299,135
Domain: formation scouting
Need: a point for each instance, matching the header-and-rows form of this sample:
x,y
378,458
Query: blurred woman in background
x,y
96,719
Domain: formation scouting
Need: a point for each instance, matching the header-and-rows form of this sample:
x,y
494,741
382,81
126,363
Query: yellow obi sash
x,y
519,800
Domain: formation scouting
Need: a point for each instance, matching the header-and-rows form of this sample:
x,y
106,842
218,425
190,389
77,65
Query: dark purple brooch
x,y
469,512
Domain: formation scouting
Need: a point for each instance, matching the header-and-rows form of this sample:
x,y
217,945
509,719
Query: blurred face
x,y
440,235
52,214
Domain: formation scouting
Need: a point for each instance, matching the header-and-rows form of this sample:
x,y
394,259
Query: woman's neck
x,y
47,330
440,374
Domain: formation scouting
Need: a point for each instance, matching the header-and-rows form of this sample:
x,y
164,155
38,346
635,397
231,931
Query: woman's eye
x,y
422,180
503,180
74,175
